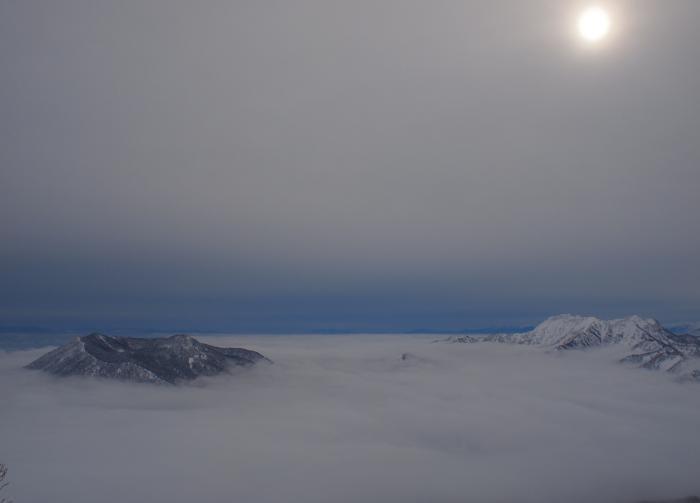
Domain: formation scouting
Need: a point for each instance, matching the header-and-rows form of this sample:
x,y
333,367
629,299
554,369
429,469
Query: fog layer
x,y
345,419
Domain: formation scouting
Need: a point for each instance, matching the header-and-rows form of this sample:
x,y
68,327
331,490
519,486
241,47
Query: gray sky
x,y
293,165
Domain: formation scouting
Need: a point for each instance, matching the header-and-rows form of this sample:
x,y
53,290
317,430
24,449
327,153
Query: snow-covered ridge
x,y
164,360
650,345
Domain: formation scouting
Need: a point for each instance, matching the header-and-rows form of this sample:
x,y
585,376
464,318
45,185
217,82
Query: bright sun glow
x,y
594,24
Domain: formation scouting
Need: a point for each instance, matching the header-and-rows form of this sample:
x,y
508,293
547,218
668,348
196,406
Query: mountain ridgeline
x,y
168,360
644,343
648,344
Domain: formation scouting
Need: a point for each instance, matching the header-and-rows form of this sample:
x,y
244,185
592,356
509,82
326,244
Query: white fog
x,y
346,419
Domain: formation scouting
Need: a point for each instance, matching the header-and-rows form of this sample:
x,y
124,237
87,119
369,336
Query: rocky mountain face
x,y
649,344
165,360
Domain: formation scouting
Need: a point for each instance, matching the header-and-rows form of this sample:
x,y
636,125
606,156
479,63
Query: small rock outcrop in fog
x,y
164,360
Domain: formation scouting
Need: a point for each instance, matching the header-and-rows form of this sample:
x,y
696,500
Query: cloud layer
x,y
345,419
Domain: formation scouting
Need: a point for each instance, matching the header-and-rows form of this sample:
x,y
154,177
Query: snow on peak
x,y
648,344
568,331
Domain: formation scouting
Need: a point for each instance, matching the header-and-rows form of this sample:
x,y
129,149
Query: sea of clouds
x,y
344,419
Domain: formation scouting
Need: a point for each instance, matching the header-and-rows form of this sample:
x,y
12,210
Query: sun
x,y
594,24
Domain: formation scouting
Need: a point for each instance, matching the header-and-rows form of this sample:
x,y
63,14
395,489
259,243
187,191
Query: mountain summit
x,y
650,345
163,360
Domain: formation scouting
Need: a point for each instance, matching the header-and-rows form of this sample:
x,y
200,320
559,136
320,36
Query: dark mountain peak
x,y
182,337
164,360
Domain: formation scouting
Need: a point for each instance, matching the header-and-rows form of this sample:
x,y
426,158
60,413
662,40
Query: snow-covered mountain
x,y
649,344
164,360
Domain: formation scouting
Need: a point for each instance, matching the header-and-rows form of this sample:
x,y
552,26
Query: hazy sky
x,y
292,165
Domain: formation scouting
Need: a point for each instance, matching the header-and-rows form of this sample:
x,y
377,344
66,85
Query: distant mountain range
x,y
685,328
19,337
646,342
649,344
167,360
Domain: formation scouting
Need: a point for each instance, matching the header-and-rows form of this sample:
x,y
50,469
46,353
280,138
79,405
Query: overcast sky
x,y
295,165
